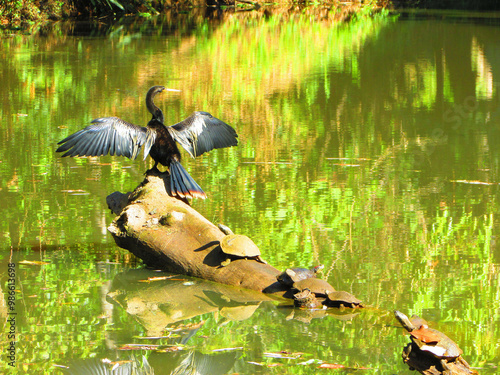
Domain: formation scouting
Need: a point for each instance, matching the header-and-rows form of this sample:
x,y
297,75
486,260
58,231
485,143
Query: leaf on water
x,y
265,364
138,347
347,165
159,278
475,182
283,354
310,362
357,159
255,363
332,366
60,366
228,349
33,263
170,349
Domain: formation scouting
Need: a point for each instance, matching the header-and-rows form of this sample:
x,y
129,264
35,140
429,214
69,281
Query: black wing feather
x,y
201,132
97,145
108,135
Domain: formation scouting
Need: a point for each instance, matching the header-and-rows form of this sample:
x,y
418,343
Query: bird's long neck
x,y
155,111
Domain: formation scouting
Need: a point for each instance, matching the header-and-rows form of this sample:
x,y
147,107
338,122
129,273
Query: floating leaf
x,y
274,364
255,363
283,355
33,262
138,347
228,349
170,349
332,366
347,165
475,182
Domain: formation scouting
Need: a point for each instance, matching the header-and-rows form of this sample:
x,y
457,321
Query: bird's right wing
x,y
108,135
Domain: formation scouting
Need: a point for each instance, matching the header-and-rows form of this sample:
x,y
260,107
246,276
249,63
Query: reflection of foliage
x,y
59,306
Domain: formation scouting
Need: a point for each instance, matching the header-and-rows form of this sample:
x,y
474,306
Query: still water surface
x,y
372,147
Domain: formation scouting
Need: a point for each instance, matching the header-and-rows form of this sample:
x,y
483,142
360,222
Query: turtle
x,y
306,299
292,275
238,246
429,340
317,286
345,299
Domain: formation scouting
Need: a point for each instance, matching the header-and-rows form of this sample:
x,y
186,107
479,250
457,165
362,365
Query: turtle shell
x,y
293,275
239,245
342,298
317,286
428,339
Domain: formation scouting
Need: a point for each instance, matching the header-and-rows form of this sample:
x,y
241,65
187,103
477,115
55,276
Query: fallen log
x,y
168,234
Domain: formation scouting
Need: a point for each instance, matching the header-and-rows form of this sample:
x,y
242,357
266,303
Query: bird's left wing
x,y
201,132
108,135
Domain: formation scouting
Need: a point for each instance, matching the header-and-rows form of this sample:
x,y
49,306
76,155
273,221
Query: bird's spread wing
x,y
108,135
201,132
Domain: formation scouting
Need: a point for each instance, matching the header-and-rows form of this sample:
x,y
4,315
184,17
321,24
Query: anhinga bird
x,y
199,133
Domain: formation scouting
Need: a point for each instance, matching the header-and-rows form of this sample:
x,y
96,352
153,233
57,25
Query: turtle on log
x,y
307,299
236,246
319,287
293,275
431,351
342,299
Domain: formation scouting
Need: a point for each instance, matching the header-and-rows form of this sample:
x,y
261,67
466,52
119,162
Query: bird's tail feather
x,y
182,184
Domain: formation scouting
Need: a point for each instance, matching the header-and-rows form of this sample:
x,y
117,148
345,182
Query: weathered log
x,y
168,234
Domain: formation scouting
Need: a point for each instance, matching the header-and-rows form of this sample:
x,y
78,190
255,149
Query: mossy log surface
x,y
168,234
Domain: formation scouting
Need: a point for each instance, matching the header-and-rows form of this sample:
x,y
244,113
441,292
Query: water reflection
x,y
370,147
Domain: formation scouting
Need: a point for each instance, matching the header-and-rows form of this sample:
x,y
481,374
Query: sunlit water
x,y
371,147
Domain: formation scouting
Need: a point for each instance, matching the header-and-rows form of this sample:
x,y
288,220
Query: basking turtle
x,y
338,299
293,275
238,246
429,340
306,299
319,287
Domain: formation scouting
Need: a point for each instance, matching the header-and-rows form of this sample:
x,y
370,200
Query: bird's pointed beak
x,y
174,90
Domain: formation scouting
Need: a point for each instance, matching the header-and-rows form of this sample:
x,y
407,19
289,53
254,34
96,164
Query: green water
x,y
371,147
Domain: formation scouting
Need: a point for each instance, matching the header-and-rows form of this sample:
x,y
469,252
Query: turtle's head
x,y
405,322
